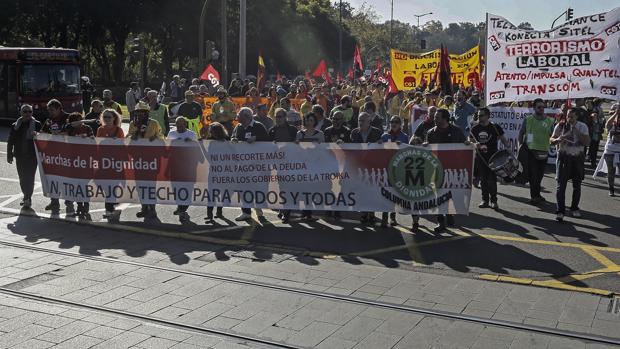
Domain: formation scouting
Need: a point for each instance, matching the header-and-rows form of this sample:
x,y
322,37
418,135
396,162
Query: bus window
x,y
11,104
50,79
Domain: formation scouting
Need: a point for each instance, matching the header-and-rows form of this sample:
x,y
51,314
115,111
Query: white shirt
x,y
187,134
572,146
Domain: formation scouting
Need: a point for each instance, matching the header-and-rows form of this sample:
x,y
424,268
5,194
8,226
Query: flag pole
x,y
486,59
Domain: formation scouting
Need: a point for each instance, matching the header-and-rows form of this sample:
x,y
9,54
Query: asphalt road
x,y
520,240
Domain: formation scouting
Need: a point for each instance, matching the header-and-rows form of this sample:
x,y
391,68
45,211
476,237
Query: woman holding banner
x,y
110,128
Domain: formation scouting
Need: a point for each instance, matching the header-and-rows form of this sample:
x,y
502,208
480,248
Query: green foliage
x,y
292,35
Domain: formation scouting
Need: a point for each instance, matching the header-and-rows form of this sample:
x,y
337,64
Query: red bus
x,y
36,75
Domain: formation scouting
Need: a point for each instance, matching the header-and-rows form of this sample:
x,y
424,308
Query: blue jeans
x,y
568,168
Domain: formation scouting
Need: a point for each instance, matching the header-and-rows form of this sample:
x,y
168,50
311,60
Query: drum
x,y
505,165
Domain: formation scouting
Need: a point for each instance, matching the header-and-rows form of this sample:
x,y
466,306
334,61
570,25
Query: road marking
x,y
546,242
547,283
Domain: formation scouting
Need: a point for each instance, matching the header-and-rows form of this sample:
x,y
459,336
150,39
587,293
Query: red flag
x,y
378,68
260,76
212,75
444,75
357,58
321,69
350,74
392,89
278,76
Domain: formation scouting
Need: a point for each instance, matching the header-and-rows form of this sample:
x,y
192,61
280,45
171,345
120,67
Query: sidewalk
x,y
295,319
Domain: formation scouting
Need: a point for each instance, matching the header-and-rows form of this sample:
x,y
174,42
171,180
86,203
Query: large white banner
x,y
579,58
348,177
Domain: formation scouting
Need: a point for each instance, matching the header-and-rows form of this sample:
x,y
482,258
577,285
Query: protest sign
x,y
239,102
573,60
410,70
349,177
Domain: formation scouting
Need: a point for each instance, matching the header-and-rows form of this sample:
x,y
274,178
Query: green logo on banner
x,y
415,173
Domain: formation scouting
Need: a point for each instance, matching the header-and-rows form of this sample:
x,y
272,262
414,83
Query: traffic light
x,y
423,44
569,14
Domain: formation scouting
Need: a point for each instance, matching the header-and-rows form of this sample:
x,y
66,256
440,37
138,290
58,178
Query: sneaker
x,y
259,212
393,222
140,214
559,217
612,194
176,212
218,212
209,217
243,217
494,205
575,213
483,204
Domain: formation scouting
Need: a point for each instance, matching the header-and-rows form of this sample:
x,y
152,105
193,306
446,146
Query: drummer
x,y
484,136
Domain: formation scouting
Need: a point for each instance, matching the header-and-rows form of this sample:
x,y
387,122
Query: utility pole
x,y
392,24
242,21
201,37
340,39
224,44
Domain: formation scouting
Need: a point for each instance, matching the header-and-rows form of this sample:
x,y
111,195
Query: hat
x,y
189,93
142,106
221,89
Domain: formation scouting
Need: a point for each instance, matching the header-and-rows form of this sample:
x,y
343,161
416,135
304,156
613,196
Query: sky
x,y
540,13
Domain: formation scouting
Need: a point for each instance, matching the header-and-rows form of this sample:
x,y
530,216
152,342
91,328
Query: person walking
x,y
110,128
485,136
182,132
132,96
444,132
569,136
143,127
20,147
54,125
535,134
217,132
611,154
248,130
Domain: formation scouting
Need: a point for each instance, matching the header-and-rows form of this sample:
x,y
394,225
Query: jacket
x,y
18,145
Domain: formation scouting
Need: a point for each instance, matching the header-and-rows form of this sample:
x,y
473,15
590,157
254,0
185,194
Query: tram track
x,y
316,294
125,314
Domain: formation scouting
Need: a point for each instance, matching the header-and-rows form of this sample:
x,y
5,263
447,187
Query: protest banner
x,y
307,176
239,102
576,59
409,69
511,119
418,114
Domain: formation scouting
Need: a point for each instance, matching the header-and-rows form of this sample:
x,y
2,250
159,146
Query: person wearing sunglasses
x,y
20,146
535,133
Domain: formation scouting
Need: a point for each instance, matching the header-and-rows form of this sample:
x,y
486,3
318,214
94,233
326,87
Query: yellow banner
x,y
409,70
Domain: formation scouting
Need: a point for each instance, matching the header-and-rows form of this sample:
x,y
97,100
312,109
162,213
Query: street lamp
x,y
422,15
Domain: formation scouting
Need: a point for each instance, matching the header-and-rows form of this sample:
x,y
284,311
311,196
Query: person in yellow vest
x,y
306,106
143,127
377,95
158,111
191,111
223,110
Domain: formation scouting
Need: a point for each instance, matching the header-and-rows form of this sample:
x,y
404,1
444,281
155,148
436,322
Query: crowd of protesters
x,y
339,113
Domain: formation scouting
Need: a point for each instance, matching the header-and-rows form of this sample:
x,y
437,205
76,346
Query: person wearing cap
x,y
191,111
132,96
280,93
20,146
109,103
262,117
143,127
158,111
223,110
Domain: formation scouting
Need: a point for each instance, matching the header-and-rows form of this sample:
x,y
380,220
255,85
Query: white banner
x,y
577,59
348,177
